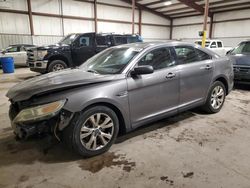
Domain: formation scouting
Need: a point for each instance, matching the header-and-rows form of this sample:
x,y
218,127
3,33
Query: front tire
x,y
215,98
57,65
93,131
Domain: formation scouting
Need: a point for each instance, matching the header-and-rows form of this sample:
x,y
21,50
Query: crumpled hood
x,y
241,59
55,81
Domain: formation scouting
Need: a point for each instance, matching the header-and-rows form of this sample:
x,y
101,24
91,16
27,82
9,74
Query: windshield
x,y
200,43
110,61
68,39
243,48
11,49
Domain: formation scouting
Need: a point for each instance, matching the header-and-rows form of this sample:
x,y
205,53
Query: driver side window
x,y
158,59
246,48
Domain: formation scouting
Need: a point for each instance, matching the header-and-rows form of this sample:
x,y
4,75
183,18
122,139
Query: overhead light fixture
x,y
167,3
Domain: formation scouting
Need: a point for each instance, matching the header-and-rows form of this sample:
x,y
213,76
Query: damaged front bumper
x,y
52,125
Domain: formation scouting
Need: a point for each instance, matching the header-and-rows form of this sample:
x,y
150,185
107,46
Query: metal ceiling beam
x,y
232,9
175,10
142,7
195,6
230,6
185,16
152,3
182,13
211,4
171,6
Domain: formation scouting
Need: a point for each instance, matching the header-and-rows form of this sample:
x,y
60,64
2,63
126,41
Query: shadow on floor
x,y
245,87
34,149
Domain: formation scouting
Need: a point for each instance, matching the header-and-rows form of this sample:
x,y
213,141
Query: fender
x,y
108,102
65,56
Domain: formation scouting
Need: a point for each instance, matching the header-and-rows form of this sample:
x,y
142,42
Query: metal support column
x,y
211,26
95,15
140,21
205,24
133,17
30,18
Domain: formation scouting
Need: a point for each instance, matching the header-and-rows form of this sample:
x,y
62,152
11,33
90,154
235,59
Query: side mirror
x,y
145,69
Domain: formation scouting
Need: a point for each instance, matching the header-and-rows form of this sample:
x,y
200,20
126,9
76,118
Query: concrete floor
x,y
189,150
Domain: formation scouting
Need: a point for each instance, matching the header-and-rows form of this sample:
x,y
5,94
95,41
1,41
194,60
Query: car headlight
x,y
39,113
41,53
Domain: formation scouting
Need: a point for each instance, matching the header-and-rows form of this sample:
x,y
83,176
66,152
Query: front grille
x,y
31,55
13,111
242,69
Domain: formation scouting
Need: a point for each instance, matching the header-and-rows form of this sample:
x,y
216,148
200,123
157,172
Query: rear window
x,y
219,44
200,43
202,55
101,40
132,39
120,40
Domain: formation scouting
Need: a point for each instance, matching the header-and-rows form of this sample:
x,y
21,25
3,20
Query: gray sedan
x,y
241,57
119,90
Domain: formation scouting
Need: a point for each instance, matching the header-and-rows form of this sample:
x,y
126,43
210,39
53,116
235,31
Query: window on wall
x,y
158,59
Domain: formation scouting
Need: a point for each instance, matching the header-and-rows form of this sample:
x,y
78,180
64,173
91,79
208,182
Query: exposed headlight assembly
x,y
41,53
39,113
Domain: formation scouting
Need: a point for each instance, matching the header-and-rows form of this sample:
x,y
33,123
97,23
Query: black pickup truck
x,y
73,50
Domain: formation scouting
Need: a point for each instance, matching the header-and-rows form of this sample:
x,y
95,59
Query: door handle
x,y
207,67
170,75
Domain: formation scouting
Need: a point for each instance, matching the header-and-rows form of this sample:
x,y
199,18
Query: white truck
x,y
18,52
216,46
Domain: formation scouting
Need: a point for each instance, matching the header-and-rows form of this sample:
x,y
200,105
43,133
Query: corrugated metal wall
x,y
6,40
230,32
14,28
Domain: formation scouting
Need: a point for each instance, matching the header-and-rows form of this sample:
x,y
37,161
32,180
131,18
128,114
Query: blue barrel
x,y
7,64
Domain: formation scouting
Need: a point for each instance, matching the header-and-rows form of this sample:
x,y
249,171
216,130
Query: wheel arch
x,y
58,57
118,112
224,81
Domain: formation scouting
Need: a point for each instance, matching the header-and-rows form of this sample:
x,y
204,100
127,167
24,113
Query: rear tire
x,y
92,132
57,65
215,98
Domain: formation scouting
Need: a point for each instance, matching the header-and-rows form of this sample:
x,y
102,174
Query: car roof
x,y
157,43
248,40
105,34
210,40
22,45
147,45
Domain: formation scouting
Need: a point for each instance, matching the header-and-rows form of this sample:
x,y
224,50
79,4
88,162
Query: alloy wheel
x,y
97,131
217,97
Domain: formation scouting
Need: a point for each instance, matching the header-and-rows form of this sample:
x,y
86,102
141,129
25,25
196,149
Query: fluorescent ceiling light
x,y
168,3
